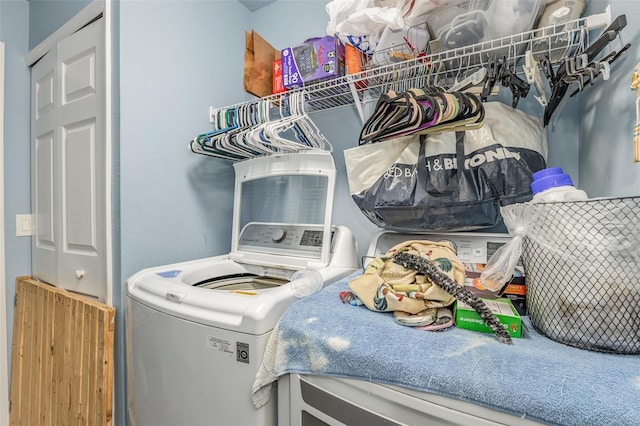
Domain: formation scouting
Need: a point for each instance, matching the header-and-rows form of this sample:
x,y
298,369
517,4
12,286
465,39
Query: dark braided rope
x,y
428,268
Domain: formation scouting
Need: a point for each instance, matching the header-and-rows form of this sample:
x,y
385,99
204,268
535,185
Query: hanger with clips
x,y
519,88
602,67
532,73
559,87
494,75
576,68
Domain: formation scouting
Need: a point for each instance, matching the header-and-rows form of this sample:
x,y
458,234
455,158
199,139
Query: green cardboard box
x,y
466,317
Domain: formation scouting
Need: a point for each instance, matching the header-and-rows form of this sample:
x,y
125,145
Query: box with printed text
x,y
314,60
277,77
466,317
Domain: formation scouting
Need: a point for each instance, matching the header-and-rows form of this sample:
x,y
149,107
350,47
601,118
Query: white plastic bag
x,y
361,22
566,241
500,267
340,10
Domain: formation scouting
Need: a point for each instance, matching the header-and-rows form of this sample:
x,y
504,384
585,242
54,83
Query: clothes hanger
x,y
603,66
438,111
424,74
531,70
519,87
260,115
297,123
393,112
224,144
307,130
262,135
559,87
226,120
477,77
471,116
494,75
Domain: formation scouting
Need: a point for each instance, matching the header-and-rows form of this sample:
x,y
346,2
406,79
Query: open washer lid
x,y
282,210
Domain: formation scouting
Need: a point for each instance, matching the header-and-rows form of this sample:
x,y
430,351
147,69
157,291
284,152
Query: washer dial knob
x,y
278,235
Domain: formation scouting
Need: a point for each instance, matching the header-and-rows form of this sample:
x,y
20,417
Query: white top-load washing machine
x,y
196,331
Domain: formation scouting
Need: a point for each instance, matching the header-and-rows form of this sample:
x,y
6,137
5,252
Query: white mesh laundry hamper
x,y
581,260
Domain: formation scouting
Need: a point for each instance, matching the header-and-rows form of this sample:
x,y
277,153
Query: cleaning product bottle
x,y
552,184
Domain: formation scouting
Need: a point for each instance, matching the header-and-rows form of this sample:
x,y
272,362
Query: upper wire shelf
x,y
556,42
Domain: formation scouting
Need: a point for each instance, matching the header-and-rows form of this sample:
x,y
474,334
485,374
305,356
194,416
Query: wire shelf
x,y
280,123
555,42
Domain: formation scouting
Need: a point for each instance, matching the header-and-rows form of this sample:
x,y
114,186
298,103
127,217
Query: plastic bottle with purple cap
x,y
553,185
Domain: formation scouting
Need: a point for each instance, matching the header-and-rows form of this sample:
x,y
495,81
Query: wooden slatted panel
x,y
61,358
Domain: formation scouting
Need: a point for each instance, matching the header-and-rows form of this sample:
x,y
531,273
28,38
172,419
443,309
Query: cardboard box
x,y
503,309
516,291
315,60
278,87
353,60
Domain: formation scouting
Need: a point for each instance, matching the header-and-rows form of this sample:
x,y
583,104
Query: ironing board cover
x,y
534,378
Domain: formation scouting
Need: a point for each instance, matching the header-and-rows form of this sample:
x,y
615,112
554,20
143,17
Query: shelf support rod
x,y
356,99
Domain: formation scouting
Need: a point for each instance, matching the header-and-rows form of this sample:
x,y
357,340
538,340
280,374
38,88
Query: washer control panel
x,y
282,238
472,248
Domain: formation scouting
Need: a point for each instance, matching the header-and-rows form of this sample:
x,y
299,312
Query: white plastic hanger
x,y
474,79
532,72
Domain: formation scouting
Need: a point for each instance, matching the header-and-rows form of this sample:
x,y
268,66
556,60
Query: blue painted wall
x,y
608,117
46,16
14,32
172,205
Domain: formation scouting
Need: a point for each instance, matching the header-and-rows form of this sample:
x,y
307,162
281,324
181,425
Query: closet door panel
x,y
45,159
79,194
79,76
44,87
44,152
81,262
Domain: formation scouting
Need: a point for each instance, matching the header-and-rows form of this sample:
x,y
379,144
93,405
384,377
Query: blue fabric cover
x,y
534,378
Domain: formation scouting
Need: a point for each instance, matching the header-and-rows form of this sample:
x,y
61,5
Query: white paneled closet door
x,y
69,167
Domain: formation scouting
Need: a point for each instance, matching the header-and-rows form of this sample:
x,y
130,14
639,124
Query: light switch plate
x,y
23,225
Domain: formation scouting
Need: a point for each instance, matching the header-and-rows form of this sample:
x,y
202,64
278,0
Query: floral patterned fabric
x,y
386,286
